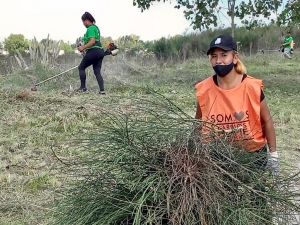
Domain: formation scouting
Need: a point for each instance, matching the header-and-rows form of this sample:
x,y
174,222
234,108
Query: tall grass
x,y
150,165
40,130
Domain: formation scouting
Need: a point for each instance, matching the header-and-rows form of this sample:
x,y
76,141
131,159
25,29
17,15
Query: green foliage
x,y
66,47
131,42
251,12
56,118
250,41
38,183
73,46
182,47
45,52
148,165
1,48
44,41
169,47
291,14
15,42
204,14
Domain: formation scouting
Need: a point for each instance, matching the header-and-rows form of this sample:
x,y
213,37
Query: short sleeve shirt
x,y
287,40
92,32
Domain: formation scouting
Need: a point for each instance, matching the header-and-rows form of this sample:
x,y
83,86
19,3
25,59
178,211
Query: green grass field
x,y
42,131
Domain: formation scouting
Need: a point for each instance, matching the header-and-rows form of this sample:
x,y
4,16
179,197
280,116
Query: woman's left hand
x,y
80,48
273,163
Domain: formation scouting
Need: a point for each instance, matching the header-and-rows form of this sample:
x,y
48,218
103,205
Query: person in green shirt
x,y
287,45
94,53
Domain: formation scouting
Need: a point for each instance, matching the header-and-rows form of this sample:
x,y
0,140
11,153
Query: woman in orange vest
x,y
233,100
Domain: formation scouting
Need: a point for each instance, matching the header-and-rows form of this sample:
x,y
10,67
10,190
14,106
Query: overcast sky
x,y
62,19
115,18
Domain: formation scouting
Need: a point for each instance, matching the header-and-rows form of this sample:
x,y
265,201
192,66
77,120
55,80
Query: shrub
x,y
150,165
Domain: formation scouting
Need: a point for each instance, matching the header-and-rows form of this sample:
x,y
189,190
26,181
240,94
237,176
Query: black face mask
x,y
223,70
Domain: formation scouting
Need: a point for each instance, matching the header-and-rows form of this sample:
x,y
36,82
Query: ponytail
x,y
89,17
240,68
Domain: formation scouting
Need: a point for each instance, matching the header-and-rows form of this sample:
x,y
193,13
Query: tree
x,y
1,48
131,42
66,47
290,16
204,13
15,42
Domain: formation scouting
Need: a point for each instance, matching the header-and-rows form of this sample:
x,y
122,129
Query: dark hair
x,y
89,17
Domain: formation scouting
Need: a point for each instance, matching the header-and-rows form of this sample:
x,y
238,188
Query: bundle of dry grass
x,y
152,166
24,96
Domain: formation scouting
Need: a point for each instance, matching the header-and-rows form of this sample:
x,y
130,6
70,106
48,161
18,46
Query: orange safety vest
x,y
237,109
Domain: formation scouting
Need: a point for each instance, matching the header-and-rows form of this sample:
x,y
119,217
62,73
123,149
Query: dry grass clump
x,y
24,96
151,166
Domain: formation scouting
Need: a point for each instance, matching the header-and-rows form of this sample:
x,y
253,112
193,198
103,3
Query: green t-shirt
x,y
92,32
287,40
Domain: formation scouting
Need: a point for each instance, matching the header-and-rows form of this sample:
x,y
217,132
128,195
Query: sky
x,y
115,18
61,19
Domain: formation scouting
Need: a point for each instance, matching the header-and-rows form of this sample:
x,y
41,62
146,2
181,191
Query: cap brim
x,y
219,46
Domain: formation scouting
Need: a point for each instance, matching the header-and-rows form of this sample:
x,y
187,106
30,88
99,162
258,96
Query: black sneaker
x,y
81,89
102,92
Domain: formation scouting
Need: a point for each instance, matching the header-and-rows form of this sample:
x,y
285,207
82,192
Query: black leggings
x,y
93,57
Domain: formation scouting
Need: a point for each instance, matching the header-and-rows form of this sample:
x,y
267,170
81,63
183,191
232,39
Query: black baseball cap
x,y
225,42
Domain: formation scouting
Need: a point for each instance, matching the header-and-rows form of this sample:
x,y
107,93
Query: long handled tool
x,y
112,49
50,78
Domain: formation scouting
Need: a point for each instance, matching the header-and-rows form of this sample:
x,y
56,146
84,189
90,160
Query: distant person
x,y
287,45
94,53
232,100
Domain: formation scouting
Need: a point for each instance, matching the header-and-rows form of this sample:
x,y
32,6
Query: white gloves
x,y
273,163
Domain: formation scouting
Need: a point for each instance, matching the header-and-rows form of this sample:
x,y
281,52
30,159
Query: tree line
x,y
204,15
179,47
258,39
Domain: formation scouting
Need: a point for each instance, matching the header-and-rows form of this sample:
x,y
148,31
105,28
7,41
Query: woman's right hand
x,y
80,48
